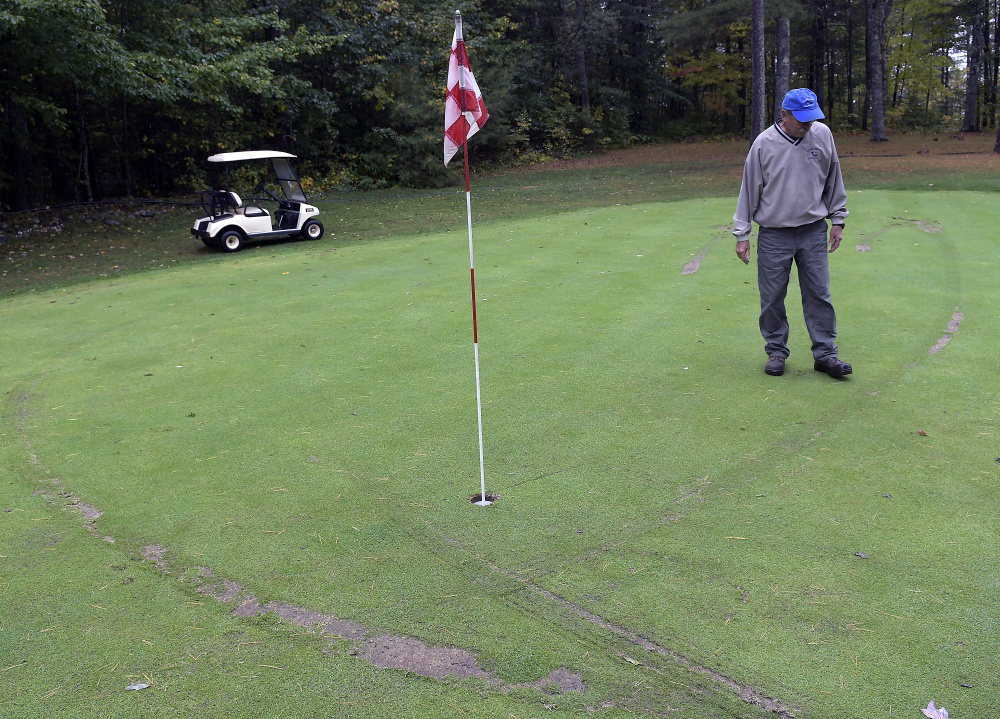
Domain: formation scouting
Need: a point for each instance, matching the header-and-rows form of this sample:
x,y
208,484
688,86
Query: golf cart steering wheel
x,y
261,189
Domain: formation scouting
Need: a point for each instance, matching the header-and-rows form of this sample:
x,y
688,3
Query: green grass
x,y
300,419
63,247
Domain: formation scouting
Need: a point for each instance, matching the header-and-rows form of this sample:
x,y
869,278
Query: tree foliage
x,y
109,98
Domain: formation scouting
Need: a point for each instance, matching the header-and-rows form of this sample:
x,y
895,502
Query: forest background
x,y
103,99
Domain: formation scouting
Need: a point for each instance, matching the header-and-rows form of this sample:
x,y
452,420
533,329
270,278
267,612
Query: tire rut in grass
x,y
384,650
930,228
745,692
691,267
956,320
58,492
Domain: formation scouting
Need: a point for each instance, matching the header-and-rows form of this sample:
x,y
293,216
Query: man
x,y
791,185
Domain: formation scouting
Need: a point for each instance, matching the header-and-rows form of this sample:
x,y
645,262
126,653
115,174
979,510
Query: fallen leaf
x,y
933,712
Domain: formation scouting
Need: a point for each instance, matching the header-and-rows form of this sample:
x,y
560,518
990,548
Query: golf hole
x,y
490,499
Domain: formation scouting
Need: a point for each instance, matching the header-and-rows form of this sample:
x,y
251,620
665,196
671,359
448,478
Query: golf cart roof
x,y
248,155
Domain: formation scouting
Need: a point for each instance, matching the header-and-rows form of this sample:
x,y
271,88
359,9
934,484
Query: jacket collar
x,y
782,133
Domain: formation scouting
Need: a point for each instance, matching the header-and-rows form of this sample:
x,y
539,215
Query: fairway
x,y
247,483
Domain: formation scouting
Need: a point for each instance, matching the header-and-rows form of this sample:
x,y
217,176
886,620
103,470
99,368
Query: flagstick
x,y
456,72
483,502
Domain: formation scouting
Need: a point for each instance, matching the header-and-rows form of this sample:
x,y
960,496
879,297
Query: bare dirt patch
x,y
155,554
732,151
325,624
897,221
223,590
558,681
691,267
956,320
387,651
947,152
412,655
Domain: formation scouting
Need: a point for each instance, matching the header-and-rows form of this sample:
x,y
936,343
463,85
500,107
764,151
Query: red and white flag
x,y
464,110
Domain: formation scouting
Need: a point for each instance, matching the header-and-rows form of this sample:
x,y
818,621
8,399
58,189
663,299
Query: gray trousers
x,y
807,246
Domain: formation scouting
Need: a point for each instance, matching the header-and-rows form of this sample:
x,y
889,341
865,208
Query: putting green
x,y
302,425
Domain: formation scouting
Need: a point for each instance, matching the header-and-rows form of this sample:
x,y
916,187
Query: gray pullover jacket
x,y
789,182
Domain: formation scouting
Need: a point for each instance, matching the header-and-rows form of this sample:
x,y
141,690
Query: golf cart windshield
x,y
283,171
288,180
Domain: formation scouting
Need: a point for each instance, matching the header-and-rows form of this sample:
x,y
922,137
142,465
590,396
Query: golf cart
x,y
230,221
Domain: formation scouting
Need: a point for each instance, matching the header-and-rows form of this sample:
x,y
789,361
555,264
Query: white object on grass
x,y
933,712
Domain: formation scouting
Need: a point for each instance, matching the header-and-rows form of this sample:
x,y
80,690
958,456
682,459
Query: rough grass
x,y
300,420
65,246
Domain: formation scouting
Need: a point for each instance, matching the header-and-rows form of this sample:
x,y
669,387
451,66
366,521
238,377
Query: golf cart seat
x,y
234,202
253,211
231,199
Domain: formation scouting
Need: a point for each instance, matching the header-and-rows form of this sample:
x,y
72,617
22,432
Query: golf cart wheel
x,y
231,241
312,230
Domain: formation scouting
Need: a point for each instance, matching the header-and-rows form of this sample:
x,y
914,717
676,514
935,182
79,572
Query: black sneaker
x,y
775,365
833,367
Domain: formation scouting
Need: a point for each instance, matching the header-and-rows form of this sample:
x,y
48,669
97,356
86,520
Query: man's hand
x,y
743,250
836,235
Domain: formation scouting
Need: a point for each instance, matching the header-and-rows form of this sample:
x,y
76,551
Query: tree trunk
x,y
819,53
970,123
18,144
884,49
783,73
125,139
995,58
831,59
122,151
945,79
60,176
850,64
581,54
876,13
986,105
83,173
757,103
899,71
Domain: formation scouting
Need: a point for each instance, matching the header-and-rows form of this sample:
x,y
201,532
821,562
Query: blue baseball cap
x,y
802,103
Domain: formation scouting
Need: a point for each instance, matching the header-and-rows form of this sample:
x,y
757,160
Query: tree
x,y
105,98
53,57
974,69
783,71
581,54
922,36
849,75
876,15
757,120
